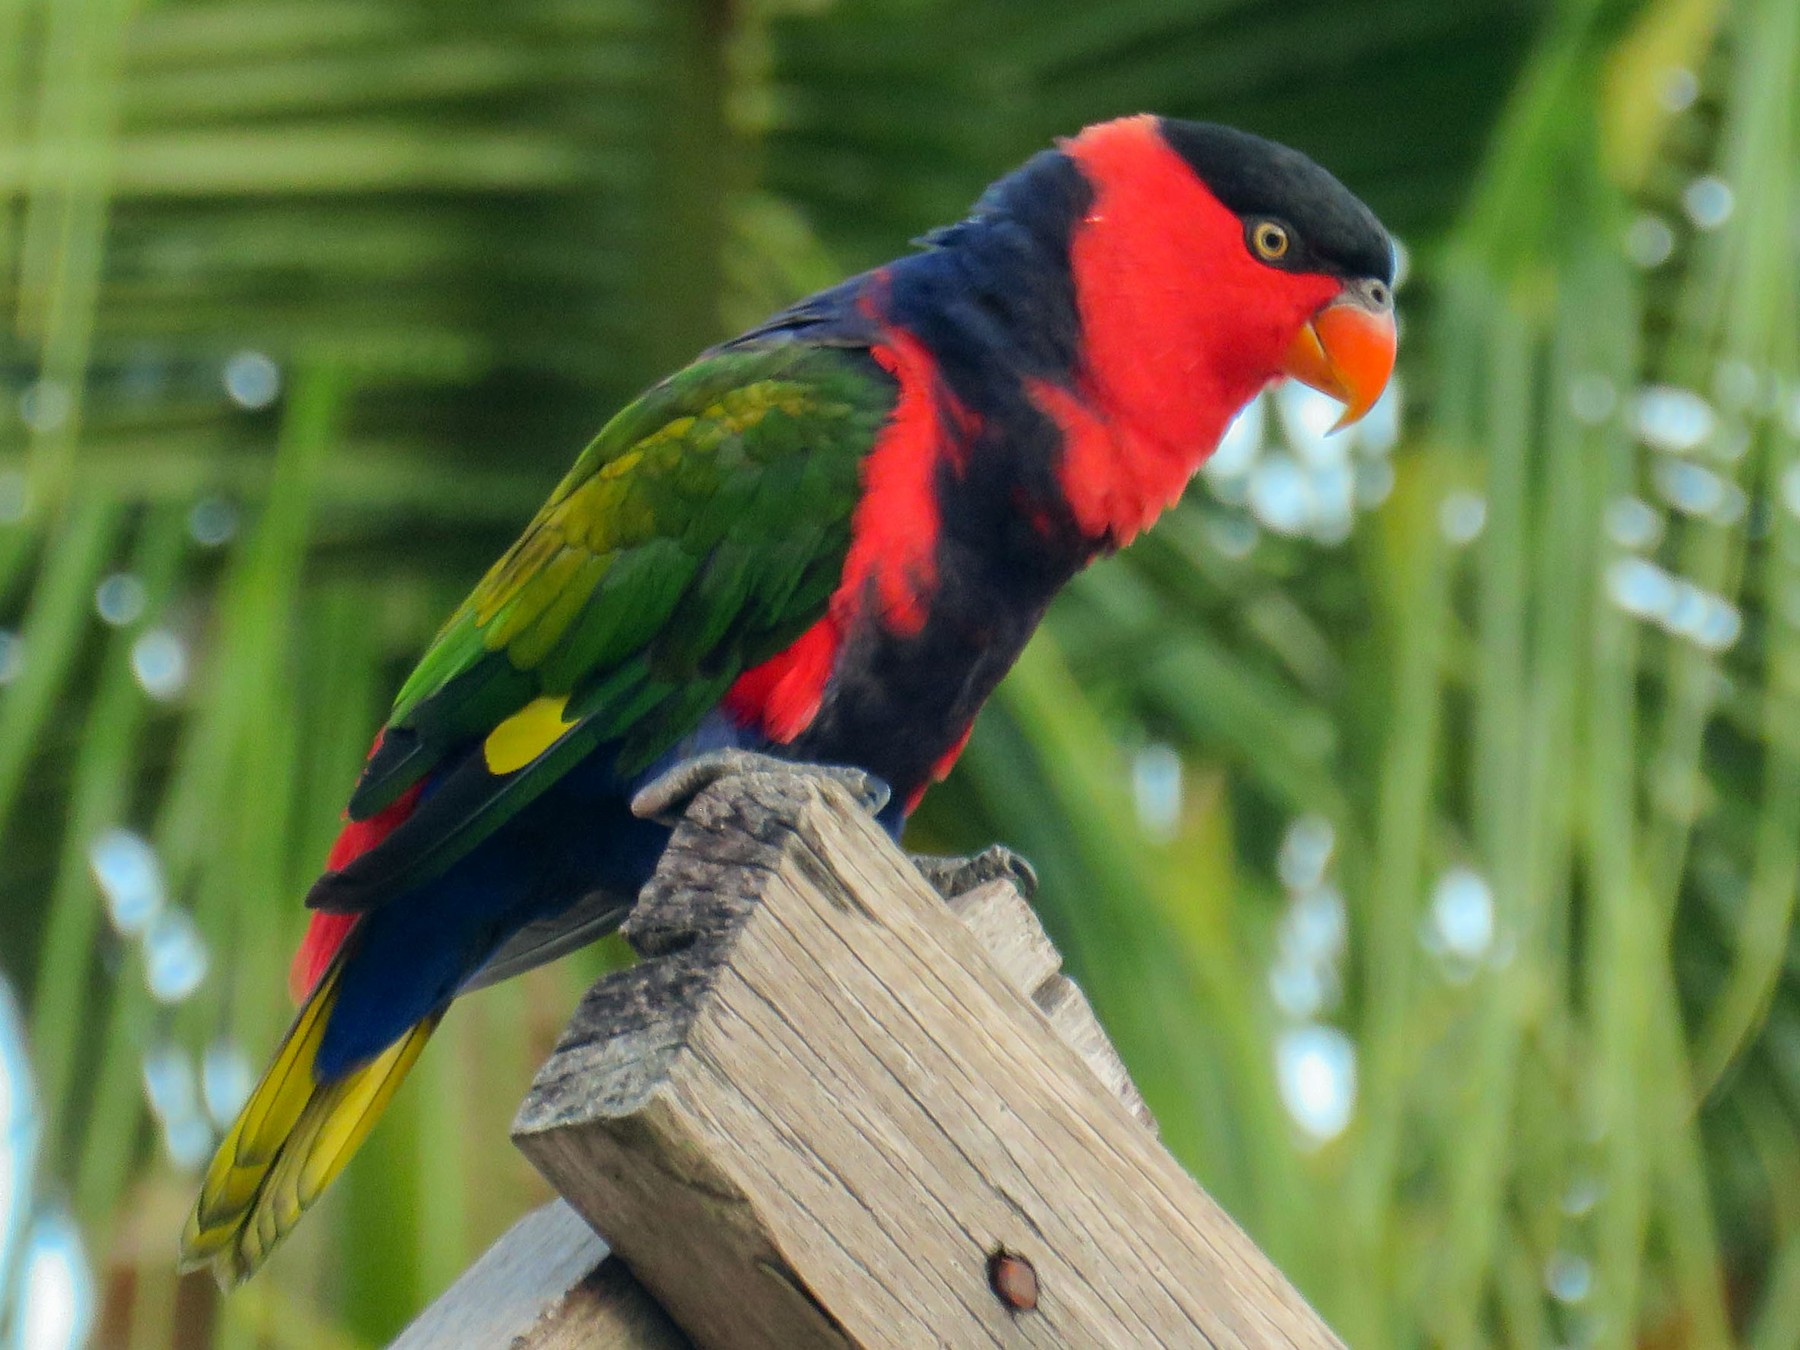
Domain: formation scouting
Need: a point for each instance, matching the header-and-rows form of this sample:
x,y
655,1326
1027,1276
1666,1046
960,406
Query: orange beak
x,y
1347,351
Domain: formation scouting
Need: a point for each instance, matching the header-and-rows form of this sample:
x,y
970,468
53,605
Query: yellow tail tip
x,y
288,1144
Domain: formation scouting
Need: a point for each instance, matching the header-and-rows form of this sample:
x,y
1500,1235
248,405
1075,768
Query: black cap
x,y
1332,230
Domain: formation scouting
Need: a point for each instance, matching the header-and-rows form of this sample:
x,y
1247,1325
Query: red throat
x,y
1180,327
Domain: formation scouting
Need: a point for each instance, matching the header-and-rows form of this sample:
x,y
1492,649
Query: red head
x,y
1209,263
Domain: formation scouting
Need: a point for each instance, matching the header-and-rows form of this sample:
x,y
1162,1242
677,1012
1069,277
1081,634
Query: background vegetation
x,y
1423,817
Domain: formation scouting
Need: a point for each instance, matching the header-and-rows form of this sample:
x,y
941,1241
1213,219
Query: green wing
x,y
701,532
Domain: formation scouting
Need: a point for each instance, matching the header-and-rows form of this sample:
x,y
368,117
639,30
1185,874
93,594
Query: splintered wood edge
x,y
601,1123
1008,930
1069,1011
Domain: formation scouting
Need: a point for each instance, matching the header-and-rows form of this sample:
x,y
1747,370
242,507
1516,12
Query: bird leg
x,y
951,877
664,799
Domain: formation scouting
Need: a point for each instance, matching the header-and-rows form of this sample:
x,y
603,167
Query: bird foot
x,y
951,877
666,797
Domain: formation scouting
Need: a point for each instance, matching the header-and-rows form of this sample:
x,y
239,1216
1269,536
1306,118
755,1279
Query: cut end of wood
x,y
616,1048
824,1112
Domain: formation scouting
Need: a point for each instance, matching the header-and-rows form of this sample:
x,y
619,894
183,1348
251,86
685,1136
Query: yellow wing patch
x,y
525,735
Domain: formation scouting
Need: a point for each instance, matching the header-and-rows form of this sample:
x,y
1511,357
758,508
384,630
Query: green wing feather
x,y
700,532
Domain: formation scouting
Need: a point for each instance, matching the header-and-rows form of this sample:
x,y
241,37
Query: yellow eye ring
x,y
1269,240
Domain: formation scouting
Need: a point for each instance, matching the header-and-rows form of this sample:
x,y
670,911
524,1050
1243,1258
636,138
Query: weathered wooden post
x,y
819,1113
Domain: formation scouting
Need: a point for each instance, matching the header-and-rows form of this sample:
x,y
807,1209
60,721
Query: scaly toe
x,y
951,877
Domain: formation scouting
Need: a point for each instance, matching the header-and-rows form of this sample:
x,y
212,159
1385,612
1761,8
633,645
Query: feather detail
x,y
894,534
291,1139
525,735
325,934
700,533
781,696
940,769
891,565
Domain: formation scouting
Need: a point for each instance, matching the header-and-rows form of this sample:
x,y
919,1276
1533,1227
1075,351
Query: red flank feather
x,y
940,770
892,561
326,932
894,534
782,695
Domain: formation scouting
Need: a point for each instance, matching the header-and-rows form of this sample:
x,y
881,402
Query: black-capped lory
x,y
825,540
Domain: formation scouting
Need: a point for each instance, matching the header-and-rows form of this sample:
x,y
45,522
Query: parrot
x,y
822,543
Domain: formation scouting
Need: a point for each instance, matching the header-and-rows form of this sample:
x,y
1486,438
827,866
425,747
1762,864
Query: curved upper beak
x,y
1346,350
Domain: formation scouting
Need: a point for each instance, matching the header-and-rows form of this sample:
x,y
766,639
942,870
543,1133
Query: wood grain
x,y
551,1282
548,1284
1007,930
816,1110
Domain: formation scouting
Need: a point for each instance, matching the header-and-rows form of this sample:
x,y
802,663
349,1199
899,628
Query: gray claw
x,y
951,877
664,799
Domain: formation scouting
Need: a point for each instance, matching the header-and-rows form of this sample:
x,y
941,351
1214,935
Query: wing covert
x,y
700,532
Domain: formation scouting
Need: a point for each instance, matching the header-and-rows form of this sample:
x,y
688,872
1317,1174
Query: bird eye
x,y
1269,240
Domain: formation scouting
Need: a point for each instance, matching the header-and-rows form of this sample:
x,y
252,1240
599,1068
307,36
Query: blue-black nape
x,y
1262,180
1002,274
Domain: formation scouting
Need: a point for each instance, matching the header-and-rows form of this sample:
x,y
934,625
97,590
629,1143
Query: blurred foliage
x,y
312,300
